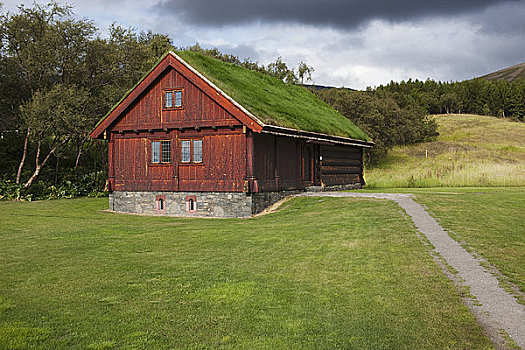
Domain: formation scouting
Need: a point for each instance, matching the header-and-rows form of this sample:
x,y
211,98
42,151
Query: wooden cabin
x,y
197,136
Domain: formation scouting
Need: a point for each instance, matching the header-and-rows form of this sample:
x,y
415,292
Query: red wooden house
x,y
216,139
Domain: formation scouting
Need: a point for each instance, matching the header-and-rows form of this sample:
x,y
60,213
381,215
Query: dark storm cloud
x,y
336,13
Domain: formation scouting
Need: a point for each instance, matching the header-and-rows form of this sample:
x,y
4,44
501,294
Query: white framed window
x,y
155,152
178,98
185,146
165,151
169,99
197,151
172,98
191,151
161,151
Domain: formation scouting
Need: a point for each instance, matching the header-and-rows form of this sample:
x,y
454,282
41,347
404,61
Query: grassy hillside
x,y
508,74
471,150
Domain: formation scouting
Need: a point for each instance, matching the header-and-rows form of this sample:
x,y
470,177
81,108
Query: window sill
x,y
193,164
160,164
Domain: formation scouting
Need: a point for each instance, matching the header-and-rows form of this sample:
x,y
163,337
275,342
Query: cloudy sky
x,y
352,43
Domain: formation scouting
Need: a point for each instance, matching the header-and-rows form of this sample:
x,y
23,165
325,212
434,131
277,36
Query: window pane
x,y
178,98
165,151
185,151
169,99
155,152
197,151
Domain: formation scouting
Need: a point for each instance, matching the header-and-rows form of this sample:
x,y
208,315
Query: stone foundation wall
x,y
207,204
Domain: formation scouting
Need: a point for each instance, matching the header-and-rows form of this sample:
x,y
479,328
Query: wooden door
x,y
307,165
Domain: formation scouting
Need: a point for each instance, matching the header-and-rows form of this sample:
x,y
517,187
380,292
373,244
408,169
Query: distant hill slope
x,y
471,150
508,74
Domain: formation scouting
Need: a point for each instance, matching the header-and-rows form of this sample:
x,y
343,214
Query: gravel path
x,y
498,309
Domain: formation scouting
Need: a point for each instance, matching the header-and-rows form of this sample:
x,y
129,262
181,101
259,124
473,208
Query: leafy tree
x,y
47,56
53,118
32,48
382,118
290,77
304,72
278,68
450,102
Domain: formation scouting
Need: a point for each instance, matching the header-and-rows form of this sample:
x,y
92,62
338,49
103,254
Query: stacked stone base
x,y
206,204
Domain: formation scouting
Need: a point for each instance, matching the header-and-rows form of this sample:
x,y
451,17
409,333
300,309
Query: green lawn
x,y
491,222
488,220
319,274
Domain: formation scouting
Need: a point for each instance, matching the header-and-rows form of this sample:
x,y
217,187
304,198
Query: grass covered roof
x,y
271,100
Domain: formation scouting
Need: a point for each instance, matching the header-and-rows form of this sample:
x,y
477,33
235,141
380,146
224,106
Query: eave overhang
x,y
315,137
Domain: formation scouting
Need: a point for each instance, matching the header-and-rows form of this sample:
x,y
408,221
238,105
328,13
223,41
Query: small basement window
x,y
160,202
173,99
191,204
161,151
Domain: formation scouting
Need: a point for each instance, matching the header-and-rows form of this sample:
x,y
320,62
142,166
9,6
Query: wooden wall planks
x,y
223,166
341,165
148,113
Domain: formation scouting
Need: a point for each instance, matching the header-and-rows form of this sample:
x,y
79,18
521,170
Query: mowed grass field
x,y
471,150
487,220
327,273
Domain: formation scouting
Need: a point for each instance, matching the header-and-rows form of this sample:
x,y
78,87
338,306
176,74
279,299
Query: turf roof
x,y
271,100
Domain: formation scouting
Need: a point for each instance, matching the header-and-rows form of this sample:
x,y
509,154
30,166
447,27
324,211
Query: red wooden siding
x,y
283,163
223,165
198,109
264,162
133,169
222,169
279,163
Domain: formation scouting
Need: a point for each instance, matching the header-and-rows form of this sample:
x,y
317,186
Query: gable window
x,y
161,151
191,151
173,99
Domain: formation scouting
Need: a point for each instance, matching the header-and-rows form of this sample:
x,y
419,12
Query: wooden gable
x,y
203,103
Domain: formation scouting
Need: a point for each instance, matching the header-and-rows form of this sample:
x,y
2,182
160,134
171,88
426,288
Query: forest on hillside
x,y
59,76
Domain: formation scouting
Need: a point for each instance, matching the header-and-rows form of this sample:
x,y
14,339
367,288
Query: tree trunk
x,y
56,168
39,165
77,160
24,154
